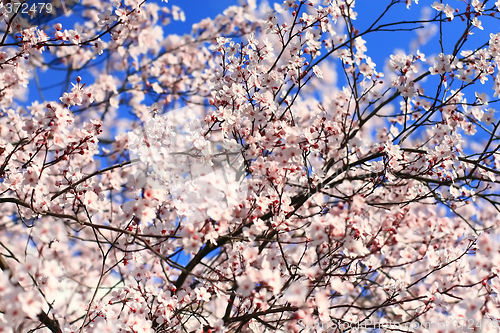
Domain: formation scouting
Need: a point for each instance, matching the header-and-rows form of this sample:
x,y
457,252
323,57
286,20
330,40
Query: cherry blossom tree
x,y
258,174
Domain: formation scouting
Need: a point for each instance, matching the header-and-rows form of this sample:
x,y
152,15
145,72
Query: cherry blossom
x,y
270,171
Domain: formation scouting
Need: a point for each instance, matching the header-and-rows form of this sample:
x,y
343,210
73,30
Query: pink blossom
x,y
210,182
31,303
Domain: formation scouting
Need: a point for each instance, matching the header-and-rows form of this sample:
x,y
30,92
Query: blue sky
x,y
380,45
195,11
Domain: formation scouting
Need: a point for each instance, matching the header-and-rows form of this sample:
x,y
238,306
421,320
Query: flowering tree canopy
x,y
258,174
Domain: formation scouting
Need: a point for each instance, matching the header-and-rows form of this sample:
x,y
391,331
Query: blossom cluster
x,y
267,173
